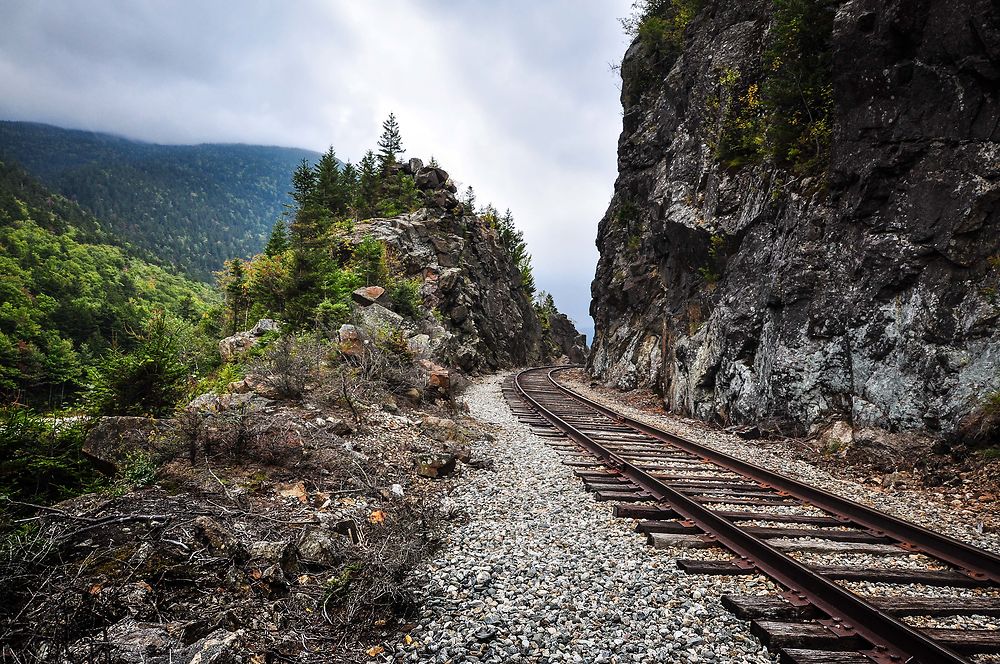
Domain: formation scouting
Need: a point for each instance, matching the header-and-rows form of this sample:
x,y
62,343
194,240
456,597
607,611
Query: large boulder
x,y
431,177
352,340
376,319
238,344
114,439
369,295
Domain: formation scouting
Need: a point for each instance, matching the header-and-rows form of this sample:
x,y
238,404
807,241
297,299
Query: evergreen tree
x,y
512,241
331,190
234,286
277,243
367,189
390,144
303,183
349,178
469,200
434,163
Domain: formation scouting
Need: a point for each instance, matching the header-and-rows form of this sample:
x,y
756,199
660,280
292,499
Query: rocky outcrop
x,y
566,339
865,294
482,320
241,342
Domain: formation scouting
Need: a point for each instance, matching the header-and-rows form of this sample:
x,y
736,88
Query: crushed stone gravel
x,y
540,572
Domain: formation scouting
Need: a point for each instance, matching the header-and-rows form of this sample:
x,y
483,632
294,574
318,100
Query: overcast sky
x,y
516,98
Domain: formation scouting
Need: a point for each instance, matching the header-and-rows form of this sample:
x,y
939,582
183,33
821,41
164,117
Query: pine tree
x,y
390,144
277,243
469,200
512,241
434,163
366,197
349,179
234,285
330,190
303,183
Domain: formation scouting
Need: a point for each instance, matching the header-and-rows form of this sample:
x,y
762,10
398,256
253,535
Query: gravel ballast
x,y
540,572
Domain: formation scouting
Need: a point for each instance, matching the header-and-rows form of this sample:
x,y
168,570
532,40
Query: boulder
x,y
839,435
419,345
239,343
113,439
412,166
442,429
430,177
316,546
435,464
352,340
375,318
437,377
217,403
369,295
236,345
263,326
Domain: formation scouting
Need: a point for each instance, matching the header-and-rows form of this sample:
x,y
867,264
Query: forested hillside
x,y
67,295
192,206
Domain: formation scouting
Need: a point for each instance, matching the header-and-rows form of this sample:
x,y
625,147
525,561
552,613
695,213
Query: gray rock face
x,y
751,295
112,440
567,339
483,320
241,342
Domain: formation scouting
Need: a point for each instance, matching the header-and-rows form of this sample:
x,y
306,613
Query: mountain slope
x,y
805,227
66,296
192,206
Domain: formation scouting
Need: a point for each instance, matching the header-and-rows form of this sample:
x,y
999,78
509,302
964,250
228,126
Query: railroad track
x,y
683,494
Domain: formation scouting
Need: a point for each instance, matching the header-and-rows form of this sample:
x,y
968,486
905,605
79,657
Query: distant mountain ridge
x,y
192,206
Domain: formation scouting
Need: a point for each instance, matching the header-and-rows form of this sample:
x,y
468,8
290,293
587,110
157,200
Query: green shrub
x,y
784,115
217,381
149,380
137,471
405,297
41,459
662,25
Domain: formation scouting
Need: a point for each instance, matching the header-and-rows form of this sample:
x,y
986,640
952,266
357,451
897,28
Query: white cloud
x,y
515,98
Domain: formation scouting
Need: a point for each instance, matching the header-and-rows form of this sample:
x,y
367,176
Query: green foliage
x,y
148,380
370,261
41,459
390,144
64,301
219,380
405,297
798,87
661,24
137,470
191,207
709,274
512,241
469,200
991,404
784,116
277,243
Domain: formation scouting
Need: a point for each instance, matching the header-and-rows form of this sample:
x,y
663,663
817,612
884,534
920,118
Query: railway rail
x,y
684,494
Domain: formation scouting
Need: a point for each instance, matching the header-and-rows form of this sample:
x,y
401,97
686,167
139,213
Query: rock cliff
x,y
862,290
483,318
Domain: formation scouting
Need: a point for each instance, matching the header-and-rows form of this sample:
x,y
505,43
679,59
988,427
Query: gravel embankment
x,y
919,507
540,572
